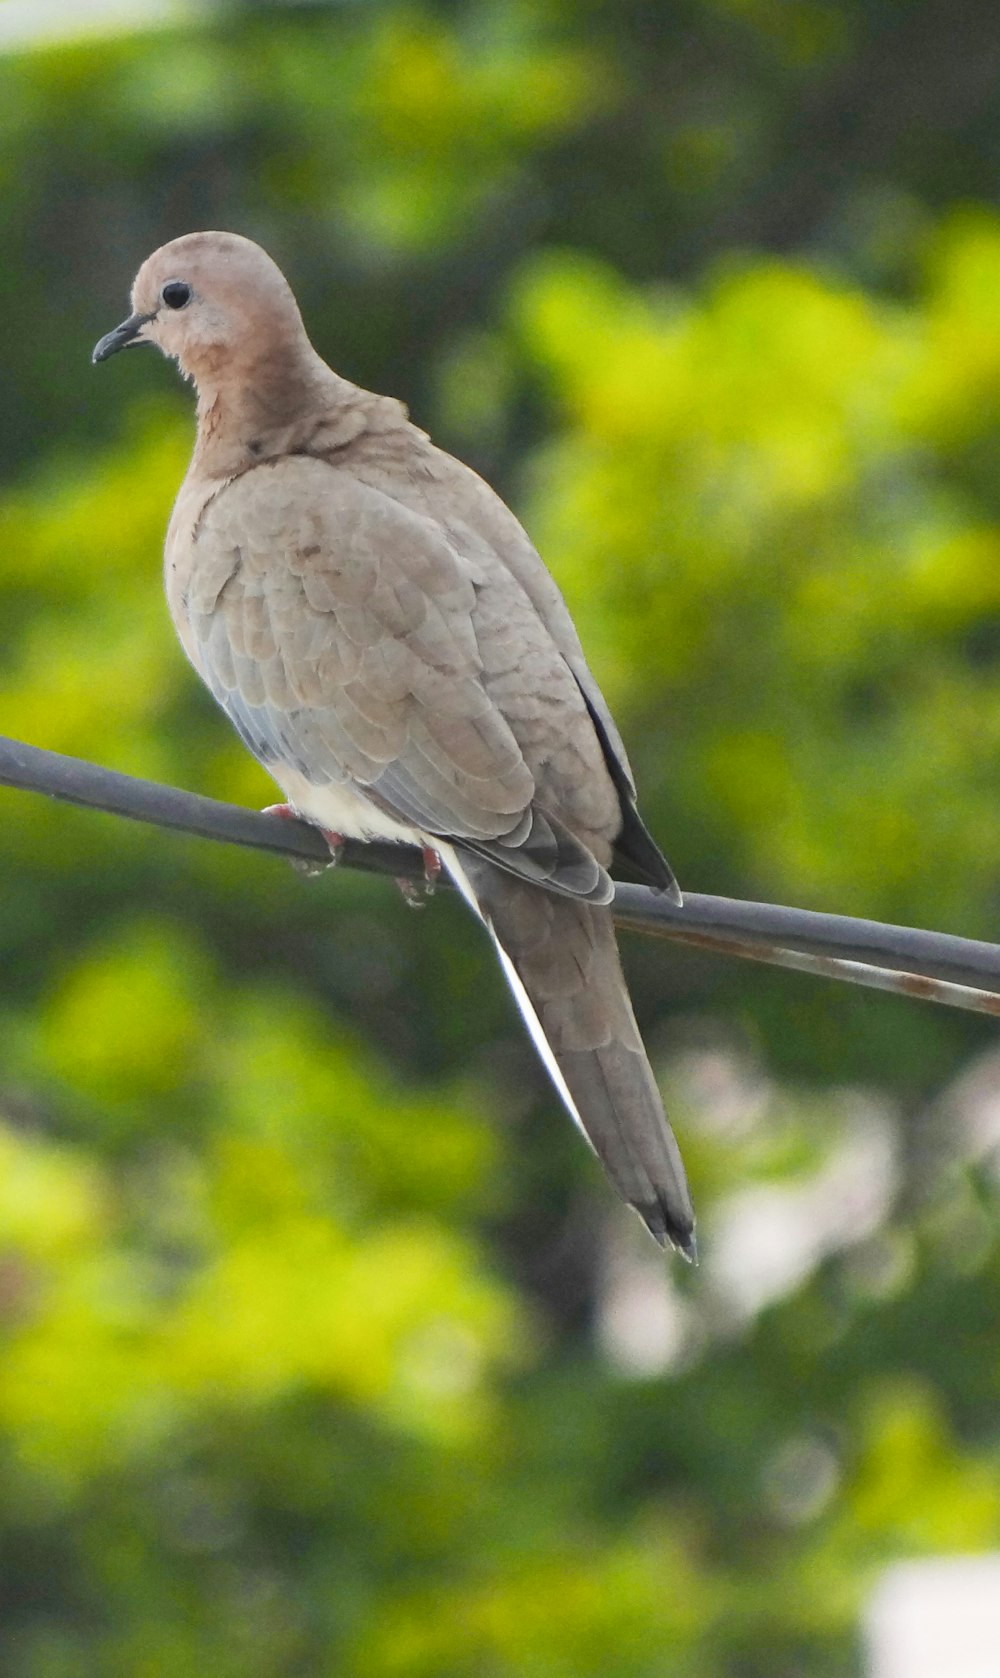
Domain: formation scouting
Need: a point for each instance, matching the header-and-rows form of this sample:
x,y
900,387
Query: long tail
x,y
562,964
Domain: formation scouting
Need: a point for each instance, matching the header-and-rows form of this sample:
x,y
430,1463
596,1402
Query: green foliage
x,y
777,469
323,1348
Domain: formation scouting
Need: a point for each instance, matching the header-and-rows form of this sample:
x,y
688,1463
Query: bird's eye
x,y
176,294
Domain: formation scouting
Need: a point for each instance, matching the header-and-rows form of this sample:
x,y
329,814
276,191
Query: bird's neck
x,y
275,406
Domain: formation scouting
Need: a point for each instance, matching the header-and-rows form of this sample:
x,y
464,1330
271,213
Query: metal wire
x,y
931,966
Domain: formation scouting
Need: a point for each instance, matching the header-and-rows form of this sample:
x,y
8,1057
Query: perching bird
x,y
388,643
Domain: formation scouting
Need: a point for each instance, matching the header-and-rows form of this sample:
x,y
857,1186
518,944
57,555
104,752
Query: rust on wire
x,y
917,985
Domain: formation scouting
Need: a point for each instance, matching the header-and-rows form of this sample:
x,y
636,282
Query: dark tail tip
x,y
666,1232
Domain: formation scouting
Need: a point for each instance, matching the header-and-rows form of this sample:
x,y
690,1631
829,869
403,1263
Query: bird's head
x,y
209,299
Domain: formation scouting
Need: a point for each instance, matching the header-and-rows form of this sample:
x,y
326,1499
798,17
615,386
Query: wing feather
x,y
346,636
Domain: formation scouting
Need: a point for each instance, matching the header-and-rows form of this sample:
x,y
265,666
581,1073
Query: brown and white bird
x,y
388,643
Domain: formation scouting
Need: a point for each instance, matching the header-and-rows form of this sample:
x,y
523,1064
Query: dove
x,y
381,632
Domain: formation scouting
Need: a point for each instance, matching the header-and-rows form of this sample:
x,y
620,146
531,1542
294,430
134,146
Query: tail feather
x,y
562,963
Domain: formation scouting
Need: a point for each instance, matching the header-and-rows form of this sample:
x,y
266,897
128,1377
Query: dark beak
x,y
123,337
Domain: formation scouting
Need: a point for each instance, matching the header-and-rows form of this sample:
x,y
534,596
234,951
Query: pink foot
x,y
336,841
415,893
432,867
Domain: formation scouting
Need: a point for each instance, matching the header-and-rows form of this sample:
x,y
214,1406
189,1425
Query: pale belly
x,y
339,809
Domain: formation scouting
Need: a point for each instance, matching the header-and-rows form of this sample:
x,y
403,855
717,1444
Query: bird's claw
x,y
416,892
308,866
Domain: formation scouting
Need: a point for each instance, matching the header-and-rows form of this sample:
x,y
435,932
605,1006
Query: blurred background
x,y
326,1349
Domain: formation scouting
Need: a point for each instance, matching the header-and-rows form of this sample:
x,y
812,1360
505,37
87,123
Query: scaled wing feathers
x,y
347,637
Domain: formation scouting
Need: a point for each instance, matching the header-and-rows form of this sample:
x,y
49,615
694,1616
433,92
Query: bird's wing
x,y
494,523
349,640
481,526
